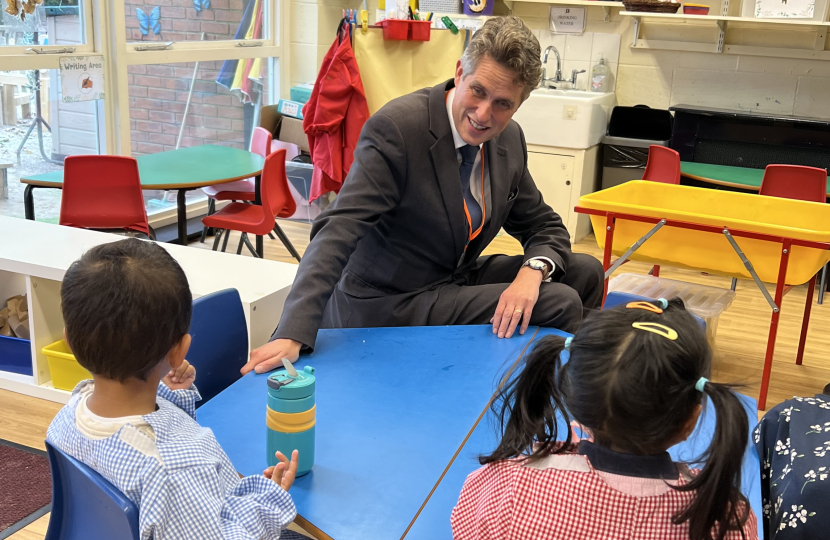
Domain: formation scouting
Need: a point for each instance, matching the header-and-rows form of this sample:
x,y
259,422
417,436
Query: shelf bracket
x,y
722,26
636,30
607,10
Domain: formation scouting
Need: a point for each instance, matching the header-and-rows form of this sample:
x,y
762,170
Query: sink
x,y
565,118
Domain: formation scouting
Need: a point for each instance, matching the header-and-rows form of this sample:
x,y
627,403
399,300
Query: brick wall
x,y
158,93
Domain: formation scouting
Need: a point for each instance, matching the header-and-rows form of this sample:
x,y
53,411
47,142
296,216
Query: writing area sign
x,y
82,78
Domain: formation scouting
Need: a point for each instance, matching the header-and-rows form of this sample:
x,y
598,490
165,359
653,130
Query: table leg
x,y
773,327
610,224
806,320
260,246
181,203
29,202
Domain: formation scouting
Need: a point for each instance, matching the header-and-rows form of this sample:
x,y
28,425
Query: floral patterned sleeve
x,y
793,444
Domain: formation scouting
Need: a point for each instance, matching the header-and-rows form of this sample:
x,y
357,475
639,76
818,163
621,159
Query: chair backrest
x,y
84,505
275,192
795,182
219,342
261,141
102,192
663,165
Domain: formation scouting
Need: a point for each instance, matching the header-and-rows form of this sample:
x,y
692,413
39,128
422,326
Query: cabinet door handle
x,y
567,182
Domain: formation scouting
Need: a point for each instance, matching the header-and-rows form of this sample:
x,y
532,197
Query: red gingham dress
x,y
565,498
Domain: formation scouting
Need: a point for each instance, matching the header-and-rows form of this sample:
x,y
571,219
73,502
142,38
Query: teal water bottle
x,y
291,415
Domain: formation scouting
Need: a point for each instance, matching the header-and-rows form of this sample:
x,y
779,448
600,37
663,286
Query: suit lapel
x,y
499,184
445,164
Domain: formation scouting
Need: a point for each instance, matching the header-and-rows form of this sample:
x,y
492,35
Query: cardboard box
x,y
290,108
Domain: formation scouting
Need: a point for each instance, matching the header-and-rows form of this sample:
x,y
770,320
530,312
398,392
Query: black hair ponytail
x,y
718,505
526,407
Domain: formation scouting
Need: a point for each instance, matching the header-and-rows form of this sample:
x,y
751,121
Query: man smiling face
x,y
485,100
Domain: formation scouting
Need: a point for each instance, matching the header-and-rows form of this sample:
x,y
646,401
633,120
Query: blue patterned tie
x,y
468,159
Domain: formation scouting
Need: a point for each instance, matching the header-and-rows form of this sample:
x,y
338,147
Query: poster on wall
x,y
784,9
82,78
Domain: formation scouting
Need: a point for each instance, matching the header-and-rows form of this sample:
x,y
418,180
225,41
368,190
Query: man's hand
x,y
180,378
270,355
516,303
285,472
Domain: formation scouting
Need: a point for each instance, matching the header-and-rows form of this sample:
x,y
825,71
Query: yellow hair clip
x,y
654,328
644,305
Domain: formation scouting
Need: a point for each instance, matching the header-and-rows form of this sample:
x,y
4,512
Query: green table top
x,y
193,167
739,177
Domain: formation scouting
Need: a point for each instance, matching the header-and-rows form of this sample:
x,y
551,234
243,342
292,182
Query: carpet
x,y
25,486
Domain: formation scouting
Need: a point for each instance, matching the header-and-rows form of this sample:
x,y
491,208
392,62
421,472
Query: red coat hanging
x,y
334,116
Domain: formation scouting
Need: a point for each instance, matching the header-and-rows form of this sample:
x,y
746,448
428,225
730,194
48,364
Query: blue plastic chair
x,y
84,505
219,342
614,299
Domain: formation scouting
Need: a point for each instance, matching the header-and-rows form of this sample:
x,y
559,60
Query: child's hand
x,y
181,378
285,472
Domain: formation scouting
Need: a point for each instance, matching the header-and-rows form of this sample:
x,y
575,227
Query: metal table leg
x,y
29,202
805,322
610,224
181,203
773,326
260,247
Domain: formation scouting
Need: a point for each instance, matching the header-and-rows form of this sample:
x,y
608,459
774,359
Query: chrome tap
x,y
557,77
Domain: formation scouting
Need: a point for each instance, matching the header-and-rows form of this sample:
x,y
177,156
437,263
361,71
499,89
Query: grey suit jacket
x,y
396,231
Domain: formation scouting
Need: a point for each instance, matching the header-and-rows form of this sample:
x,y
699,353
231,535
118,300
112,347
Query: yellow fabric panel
x,y
391,69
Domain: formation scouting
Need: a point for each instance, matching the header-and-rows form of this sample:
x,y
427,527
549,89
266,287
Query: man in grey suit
x,y
437,174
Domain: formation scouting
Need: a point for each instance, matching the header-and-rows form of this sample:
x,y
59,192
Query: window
x,y
236,43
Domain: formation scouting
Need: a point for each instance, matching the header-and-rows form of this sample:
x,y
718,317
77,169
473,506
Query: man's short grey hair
x,y
509,42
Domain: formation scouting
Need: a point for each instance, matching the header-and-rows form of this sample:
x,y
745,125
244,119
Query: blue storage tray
x,y
15,355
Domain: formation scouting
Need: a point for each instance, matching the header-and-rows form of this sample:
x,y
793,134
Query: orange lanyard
x,y
475,233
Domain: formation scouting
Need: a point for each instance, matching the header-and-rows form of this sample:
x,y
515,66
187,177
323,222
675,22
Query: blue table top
x,y
385,436
434,520
394,405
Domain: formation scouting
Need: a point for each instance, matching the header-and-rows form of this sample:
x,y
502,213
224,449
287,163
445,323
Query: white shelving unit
x,y
606,6
723,21
34,257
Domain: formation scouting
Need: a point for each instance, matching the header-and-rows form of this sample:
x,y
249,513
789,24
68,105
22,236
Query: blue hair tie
x,y
663,303
701,382
568,342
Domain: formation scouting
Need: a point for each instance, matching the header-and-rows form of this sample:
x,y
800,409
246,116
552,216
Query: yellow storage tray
x,y
66,371
707,251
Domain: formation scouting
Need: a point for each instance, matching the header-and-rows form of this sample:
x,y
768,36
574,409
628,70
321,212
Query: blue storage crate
x,y
15,355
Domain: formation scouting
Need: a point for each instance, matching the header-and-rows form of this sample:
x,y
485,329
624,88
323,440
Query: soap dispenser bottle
x,y
600,77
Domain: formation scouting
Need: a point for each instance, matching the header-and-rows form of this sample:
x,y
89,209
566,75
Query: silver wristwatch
x,y
536,264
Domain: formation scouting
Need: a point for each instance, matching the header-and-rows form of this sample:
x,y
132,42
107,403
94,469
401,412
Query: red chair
x,y
803,184
103,192
241,190
663,165
254,219
795,182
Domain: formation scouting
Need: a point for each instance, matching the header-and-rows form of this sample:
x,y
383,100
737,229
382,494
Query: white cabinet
x,y
563,175
34,257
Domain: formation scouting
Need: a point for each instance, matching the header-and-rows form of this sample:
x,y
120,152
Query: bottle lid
x,y
281,385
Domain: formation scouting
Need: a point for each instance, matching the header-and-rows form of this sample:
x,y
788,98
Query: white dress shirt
x,y
476,179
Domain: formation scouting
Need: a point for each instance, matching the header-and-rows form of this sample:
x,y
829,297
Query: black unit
x,y
749,139
631,131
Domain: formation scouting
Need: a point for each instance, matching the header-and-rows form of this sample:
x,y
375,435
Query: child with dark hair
x,y
126,309
793,443
635,381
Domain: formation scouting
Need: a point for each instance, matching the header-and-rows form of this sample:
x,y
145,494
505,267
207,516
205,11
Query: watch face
x,y
537,265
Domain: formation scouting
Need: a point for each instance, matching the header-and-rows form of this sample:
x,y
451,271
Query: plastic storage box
x,y
705,302
15,355
66,371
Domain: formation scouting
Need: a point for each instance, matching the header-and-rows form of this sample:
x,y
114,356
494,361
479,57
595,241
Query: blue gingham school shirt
x,y
176,473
